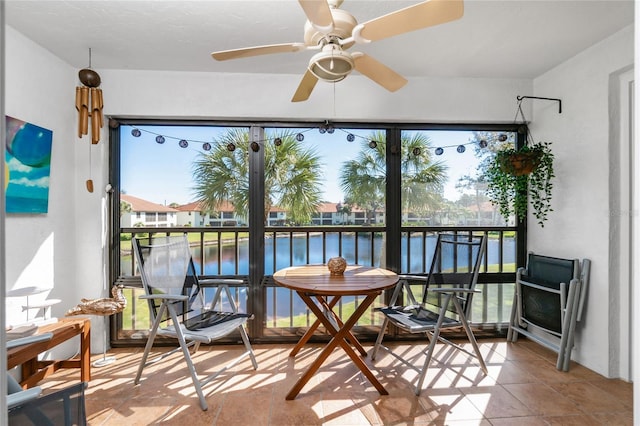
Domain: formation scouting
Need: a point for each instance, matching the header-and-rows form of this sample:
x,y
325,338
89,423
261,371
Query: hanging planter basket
x,y
520,163
518,178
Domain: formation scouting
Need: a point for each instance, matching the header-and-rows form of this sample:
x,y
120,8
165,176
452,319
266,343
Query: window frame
x,y
256,227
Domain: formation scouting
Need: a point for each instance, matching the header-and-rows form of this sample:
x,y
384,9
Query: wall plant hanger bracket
x,y
520,98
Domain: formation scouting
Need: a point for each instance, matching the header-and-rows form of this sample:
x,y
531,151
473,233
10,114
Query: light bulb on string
x,y
325,127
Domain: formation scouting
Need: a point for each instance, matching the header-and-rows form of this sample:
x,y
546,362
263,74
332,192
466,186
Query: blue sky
x,y
161,173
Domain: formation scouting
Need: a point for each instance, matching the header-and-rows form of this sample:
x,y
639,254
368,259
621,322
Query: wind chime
x,y
89,105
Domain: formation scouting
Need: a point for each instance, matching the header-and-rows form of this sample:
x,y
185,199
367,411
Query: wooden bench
x,y
34,370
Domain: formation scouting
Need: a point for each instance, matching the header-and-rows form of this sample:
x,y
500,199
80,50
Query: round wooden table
x,y
315,281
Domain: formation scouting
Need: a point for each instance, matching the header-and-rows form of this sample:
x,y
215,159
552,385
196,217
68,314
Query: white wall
x,y
42,249
580,225
255,96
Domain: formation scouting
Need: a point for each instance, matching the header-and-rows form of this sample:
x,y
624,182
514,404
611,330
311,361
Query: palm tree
x,y
292,176
363,179
124,207
345,210
479,186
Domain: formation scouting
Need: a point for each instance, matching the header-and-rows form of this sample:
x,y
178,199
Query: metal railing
x,y
223,252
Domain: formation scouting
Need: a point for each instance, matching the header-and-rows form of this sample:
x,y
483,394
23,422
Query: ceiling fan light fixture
x,y
331,64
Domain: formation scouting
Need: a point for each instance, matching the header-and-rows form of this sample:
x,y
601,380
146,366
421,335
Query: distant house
x,y
277,217
145,213
486,214
194,214
327,214
330,214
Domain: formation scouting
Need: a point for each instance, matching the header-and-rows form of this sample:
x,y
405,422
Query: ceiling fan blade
x,y
378,72
319,14
247,52
421,15
305,88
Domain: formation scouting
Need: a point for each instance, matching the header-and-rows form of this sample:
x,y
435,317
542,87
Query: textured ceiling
x,y
509,38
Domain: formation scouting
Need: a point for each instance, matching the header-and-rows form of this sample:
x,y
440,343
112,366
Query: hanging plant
x,y
517,178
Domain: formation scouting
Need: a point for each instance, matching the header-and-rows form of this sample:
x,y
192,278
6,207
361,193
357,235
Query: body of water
x,y
282,252
293,253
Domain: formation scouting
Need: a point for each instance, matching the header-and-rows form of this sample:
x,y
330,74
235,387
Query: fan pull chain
x,y
334,100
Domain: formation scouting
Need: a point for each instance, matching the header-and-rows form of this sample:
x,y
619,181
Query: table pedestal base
x,y
342,337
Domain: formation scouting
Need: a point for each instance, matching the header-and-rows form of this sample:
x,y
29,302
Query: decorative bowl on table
x,y
337,265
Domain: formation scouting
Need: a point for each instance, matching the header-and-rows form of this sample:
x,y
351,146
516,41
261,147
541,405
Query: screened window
x,y
324,190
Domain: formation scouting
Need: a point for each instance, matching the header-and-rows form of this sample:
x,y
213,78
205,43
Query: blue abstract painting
x,y
27,167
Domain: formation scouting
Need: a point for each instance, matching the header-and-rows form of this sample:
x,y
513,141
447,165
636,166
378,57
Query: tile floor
x,y
523,388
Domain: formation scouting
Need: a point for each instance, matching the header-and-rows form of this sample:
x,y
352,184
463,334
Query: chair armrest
x,y
21,397
220,281
542,285
424,278
453,290
164,296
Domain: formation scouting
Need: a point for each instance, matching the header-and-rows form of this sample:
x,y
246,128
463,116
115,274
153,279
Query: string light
x,y
325,127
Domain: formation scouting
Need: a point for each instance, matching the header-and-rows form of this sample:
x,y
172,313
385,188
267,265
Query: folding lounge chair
x,y
548,301
447,294
177,305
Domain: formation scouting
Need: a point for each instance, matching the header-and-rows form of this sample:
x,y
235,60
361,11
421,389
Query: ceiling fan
x,y
332,31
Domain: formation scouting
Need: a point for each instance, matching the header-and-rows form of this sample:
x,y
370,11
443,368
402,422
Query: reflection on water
x,y
283,248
